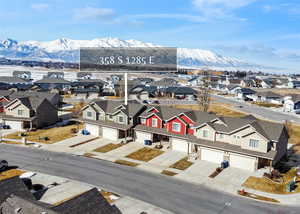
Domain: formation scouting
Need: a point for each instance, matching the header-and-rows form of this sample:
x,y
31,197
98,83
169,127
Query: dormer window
x,y
89,114
143,120
154,122
121,119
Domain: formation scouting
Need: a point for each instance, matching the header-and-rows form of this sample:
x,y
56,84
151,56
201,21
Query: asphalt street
x,y
165,192
259,111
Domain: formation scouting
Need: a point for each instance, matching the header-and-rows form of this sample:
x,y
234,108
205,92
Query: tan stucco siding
x,y
92,111
211,133
262,145
19,108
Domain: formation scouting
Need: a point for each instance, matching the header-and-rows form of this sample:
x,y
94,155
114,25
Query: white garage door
x,y
242,162
212,155
141,136
17,125
179,145
110,134
93,129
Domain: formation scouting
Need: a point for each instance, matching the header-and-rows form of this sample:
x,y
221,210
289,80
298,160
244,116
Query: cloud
x,y
220,8
260,50
186,17
92,13
40,7
288,8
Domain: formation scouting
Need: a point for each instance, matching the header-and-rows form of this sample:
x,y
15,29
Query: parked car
x,y
3,165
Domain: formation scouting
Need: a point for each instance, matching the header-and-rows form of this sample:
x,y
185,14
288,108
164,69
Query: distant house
x,y
87,88
15,82
181,92
291,103
164,83
268,83
247,83
244,93
26,75
53,83
195,81
294,84
267,96
232,89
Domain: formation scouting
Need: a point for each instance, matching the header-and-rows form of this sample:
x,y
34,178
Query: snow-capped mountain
x,y
67,50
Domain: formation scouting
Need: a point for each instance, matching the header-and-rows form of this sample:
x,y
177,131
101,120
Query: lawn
x,y
182,164
268,105
107,148
145,154
217,108
168,173
10,173
10,142
265,185
126,163
294,133
54,134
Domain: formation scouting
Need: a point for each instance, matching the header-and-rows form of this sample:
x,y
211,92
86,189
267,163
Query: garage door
x,y
242,162
141,136
17,125
214,156
179,145
110,134
93,129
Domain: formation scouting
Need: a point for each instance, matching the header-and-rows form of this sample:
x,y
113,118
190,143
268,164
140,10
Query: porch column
x,y
126,136
30,125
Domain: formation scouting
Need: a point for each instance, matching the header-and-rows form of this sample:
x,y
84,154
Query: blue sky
x,y
259,31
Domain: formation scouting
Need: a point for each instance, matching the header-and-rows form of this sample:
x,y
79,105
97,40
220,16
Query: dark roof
x,y
12,80
209,144
247,91
269,94
180,90
14,186
108,124
91,202
53,81
166,113
25,206
112,107
97,81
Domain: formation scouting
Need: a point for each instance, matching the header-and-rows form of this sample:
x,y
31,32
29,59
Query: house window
x,y
143,120
253,143
176,127
205,133
154,122
110,117
20,112
121,119
221,136
89,114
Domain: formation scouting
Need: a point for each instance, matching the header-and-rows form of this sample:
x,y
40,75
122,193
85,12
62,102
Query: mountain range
x,y
67,50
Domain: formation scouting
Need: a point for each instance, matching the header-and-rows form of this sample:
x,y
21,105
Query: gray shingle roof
x,y
91,202
53,81
111,107
269,94
12,80
25,206
14,186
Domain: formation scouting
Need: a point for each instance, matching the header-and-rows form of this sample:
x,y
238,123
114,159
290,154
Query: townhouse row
x,y
247,143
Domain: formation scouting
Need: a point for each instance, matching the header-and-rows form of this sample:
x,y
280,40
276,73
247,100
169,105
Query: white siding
x,y
93,129
110,133
141,136
242,162
214,156
179,145
16,125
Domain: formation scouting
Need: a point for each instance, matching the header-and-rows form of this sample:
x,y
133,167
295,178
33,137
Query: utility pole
x,y
204,96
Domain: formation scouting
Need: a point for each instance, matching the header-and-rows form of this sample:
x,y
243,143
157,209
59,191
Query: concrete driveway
x,y
198,173
168,158
126,149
